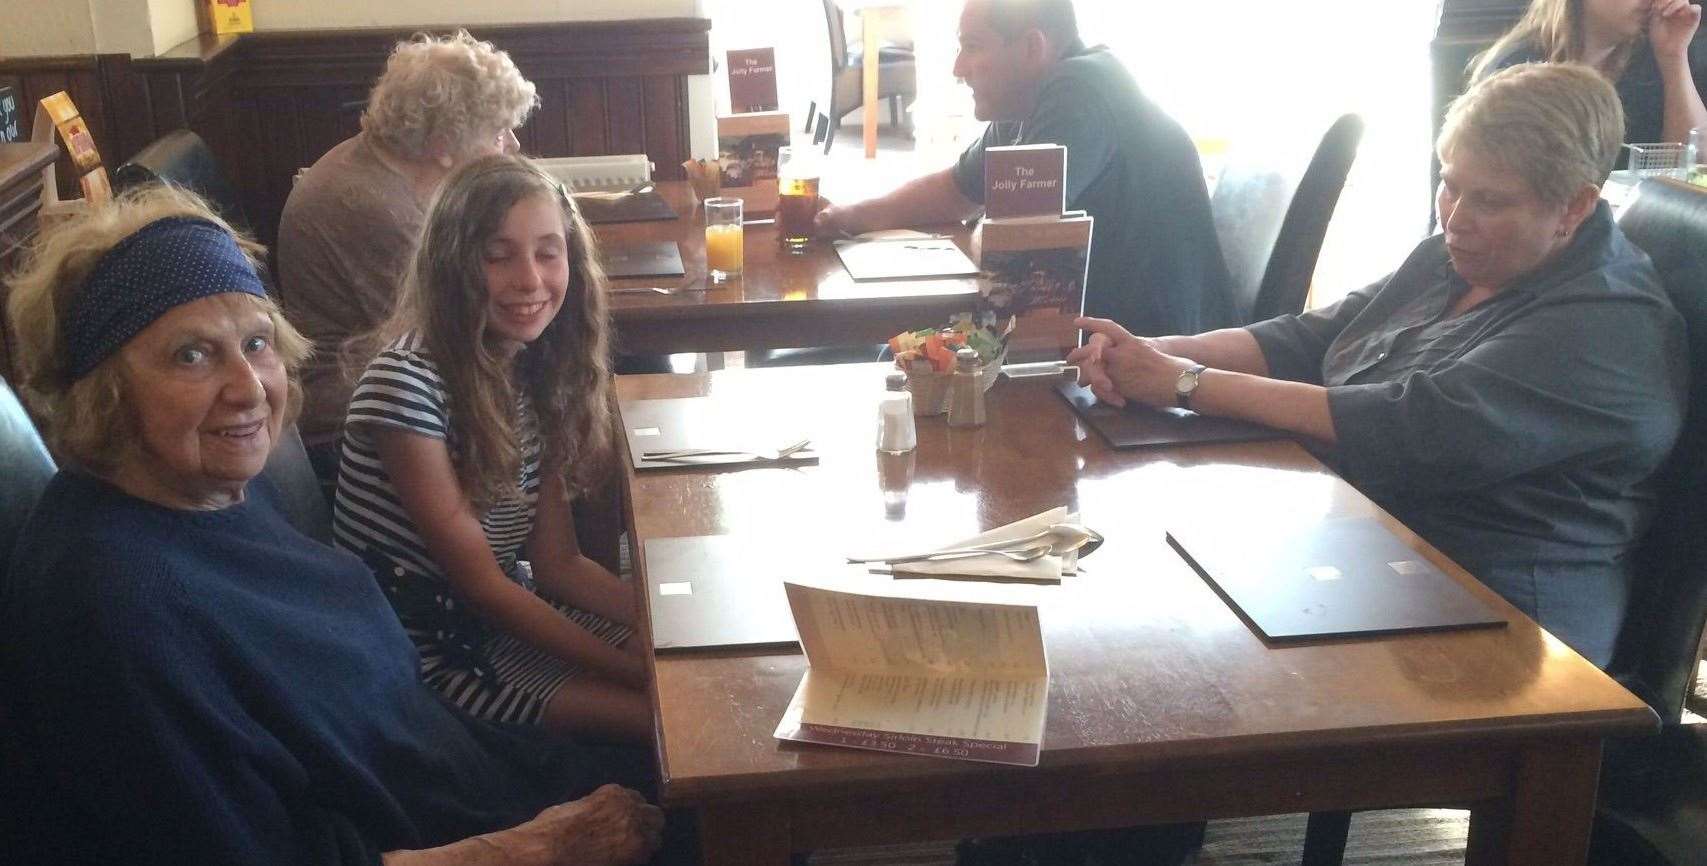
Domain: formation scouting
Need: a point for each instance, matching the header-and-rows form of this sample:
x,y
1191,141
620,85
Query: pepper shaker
x,y
966,391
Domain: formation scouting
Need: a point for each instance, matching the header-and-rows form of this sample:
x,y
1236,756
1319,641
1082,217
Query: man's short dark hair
x,y
1054,18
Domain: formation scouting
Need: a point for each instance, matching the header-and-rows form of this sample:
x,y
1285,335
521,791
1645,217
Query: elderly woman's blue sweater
x,y
213,687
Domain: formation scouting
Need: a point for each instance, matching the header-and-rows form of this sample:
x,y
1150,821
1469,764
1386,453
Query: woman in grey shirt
x,y
1507,392
353,220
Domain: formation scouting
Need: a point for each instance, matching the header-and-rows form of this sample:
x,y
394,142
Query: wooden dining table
x,y
1164,705
782,299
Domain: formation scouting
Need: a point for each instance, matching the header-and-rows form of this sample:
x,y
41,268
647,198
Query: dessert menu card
x,y
752,80
945,679
1025,180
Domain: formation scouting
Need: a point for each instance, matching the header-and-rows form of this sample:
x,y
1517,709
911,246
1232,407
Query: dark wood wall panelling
x,y
86,78
604,87
271,103
20,197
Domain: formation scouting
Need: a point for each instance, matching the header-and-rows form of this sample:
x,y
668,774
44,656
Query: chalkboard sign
x,y
9,114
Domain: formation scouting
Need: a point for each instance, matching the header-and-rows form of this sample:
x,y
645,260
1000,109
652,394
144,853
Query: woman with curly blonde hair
x,y
484,408
352,221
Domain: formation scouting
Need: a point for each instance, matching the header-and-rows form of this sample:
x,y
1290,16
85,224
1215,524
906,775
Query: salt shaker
x,y
965,391
895,431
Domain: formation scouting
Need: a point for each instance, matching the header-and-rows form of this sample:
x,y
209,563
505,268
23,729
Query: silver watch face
x,y
1186,382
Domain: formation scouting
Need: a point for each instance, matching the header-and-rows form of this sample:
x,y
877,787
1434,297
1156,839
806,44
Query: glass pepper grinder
x,y
966,391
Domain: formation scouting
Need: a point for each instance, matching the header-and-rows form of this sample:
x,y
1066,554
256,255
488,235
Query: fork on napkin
x,y
1049,568
689,454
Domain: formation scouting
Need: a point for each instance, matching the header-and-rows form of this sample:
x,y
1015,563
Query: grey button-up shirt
x,y
1518,437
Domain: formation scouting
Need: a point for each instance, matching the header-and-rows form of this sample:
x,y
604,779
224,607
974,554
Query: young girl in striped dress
x,y
483,409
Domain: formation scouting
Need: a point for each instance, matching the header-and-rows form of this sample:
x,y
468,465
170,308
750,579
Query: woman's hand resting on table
x,y
1118,366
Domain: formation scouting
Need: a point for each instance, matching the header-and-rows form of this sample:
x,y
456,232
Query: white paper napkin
x,y
1047,568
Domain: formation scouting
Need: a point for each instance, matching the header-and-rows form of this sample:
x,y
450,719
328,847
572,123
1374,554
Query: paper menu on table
x,y
904,258
949,679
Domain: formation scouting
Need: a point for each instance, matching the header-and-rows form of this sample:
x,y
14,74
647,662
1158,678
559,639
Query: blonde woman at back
x,y
1642,46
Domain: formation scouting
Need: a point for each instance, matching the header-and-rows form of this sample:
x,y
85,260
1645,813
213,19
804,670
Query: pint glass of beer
x,y
797,196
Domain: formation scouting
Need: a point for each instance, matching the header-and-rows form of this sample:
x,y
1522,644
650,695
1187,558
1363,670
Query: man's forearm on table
x,y
928,200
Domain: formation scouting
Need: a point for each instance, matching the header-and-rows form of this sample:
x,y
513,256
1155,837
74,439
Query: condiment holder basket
x,y
1660,159
930,388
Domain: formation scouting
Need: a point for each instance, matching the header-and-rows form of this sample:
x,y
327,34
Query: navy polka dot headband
x,y
165,264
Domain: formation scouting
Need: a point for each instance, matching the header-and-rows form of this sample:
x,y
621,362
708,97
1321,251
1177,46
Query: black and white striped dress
x,y
483,670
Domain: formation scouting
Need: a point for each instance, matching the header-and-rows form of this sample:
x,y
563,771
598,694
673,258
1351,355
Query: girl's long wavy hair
x,y
1555,28
565,373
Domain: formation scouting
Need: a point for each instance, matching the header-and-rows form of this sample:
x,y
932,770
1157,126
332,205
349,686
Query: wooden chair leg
x,y
1324,838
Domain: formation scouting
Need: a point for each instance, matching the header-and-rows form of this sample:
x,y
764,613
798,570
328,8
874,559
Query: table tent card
x,y
747,146
1025,180
1035,271
1032,253
752,80
945,679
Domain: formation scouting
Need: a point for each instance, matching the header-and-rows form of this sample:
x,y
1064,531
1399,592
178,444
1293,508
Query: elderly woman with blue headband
x,y
191,680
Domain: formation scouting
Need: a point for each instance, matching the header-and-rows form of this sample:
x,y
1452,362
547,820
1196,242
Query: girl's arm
x,y
421,471
563,574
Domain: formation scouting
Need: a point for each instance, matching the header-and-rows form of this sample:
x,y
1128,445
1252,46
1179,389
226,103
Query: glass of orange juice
x,y
724,239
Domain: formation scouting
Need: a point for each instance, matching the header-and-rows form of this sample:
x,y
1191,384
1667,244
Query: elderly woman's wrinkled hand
x,y
1118,366
1671,26
613,826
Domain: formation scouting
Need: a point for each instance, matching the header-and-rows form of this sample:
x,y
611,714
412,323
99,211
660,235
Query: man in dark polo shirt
x,y
1155,265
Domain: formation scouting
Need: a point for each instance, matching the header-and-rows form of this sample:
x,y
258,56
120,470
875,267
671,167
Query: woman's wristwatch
x,y
1186,385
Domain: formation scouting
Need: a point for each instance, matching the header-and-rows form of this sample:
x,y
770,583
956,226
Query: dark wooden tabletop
x,y
1150,672
782,300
